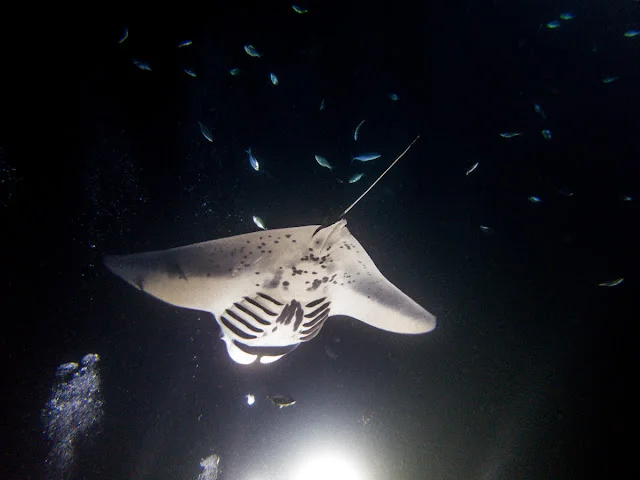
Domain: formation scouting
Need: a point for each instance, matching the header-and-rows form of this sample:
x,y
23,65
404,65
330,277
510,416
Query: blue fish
x,y
366,157
141,65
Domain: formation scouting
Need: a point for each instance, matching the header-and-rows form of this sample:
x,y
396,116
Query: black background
x,y
528,373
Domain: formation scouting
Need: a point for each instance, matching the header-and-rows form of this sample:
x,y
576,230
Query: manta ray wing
x,y
369,297
269,291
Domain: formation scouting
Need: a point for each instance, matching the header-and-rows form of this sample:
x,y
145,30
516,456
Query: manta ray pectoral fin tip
x,y
109,262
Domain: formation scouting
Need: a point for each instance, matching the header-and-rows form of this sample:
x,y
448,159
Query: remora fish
x,y
281,400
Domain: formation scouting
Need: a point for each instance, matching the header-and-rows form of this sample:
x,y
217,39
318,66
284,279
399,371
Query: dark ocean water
x,y
527,373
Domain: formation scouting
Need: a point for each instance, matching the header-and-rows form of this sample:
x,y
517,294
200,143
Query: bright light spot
x,y
329,467
250,399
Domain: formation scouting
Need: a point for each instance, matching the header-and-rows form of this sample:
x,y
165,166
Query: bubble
x,y
66,369
74,412
210,467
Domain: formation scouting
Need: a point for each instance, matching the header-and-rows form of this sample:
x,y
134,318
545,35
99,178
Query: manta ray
x,y
270,291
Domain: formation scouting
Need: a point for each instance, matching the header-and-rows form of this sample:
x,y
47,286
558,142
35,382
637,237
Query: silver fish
x,y
281,400
472,168
253,161
323,162
185,43
538,109
251,51
355,177
322,105
206,133
125,35
259,223
298,9
366,157
141,65
611,283
273,78
357,131
190,72
235,71
510,134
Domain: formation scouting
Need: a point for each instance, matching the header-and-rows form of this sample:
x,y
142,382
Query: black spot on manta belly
x,y
174,270
314,286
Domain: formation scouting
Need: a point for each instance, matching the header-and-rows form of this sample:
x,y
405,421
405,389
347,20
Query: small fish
x,y
281,400
125,35
251,51
533,199
185,43
357,131
322,105
355,177
235,71
252,160
472,168
627,198
566,191
250,399
394,97
141,65
273,78
299,10
567,16
606,80
546,134
366,157
206,133
323,162
190,72
553,24
538,109
510,134
486,230
611,283
631,33
259,223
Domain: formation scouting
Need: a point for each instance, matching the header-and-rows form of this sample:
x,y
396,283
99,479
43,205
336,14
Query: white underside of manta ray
x,y
271,290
